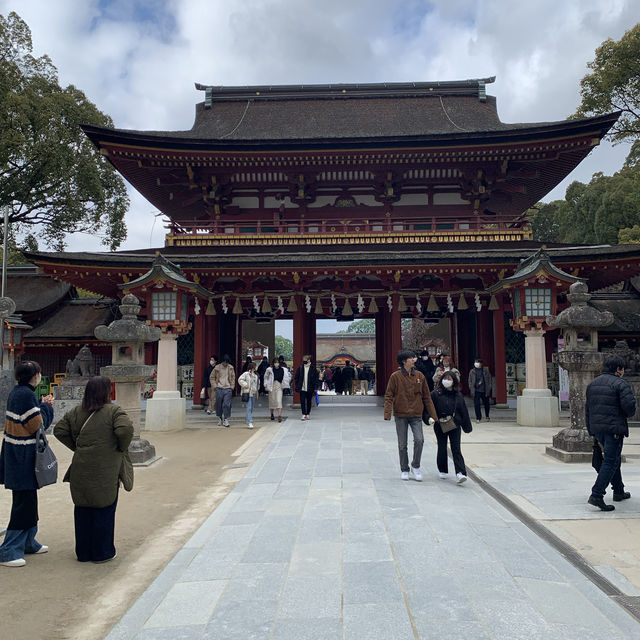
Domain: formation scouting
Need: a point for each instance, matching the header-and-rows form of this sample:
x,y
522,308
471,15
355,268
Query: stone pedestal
x,y
166,411
537,408
67,395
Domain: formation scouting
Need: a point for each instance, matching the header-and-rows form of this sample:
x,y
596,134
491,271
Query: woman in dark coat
x,y
24,417
338,382
99,434
448,401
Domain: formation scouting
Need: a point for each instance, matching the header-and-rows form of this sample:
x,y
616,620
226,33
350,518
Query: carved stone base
x,y
568,456
571,445
142,453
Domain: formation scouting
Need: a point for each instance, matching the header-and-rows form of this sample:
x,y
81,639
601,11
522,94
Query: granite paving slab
x,y
322,540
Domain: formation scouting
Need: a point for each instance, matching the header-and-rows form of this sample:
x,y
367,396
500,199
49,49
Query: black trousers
x,y
24,509
441,457
94,532
306,398
478,397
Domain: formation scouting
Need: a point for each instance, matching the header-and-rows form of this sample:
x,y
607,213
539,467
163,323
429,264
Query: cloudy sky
x,y
138,60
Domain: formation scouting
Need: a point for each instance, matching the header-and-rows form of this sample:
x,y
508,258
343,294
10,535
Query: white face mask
x,y
447,383
276,365
477,365
212,362
425,357
447,368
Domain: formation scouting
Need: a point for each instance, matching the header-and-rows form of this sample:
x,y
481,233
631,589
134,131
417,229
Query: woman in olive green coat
x,y
99,434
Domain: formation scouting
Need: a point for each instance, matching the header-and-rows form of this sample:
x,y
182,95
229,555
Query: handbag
x,y
244,396
448,423
46,465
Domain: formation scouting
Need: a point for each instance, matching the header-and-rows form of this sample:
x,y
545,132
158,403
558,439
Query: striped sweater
x,y
23,418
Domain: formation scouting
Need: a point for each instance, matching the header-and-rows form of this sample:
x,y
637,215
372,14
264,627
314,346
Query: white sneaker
x,y
43,549
226,422
219,422
303,418
404,475
207,412
417,474
20,562
250,425
461,478
442,475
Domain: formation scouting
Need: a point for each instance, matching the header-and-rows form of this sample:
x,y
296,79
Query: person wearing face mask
x,y
206,385
480,388
426,368
273,378
446,364
24,416
448,401
407,394
610,402
223,379
306,381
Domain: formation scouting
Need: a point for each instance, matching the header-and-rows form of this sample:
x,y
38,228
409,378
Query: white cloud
x,y
138,60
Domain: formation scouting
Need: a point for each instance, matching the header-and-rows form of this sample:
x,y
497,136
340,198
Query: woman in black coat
x,y
448,401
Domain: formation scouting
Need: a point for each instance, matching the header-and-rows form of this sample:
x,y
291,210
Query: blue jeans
x,y
610,469
223,403
249,404
17,542
402,428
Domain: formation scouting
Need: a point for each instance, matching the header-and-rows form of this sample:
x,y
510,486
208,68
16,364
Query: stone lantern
x,y
127,370
580,357
168,294
534,289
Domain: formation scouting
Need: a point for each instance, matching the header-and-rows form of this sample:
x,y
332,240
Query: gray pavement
x,y
321,539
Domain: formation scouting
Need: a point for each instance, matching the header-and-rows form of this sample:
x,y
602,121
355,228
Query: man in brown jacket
x,y
408,395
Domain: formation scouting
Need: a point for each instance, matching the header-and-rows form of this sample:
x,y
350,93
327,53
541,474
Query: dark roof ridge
x,y
472,86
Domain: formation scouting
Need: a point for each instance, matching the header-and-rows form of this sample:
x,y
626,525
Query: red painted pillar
x,y
240,356
500,354
212,337
381,355
300,337
393,336
200,355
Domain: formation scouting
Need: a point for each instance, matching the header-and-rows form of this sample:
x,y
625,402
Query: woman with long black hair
x,y
98,432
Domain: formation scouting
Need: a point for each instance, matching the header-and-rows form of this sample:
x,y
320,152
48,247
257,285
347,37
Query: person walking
x,y
449,401
246,363
273,378
24,417
407,394
262,367
348,375
306,380
364,380
338,381
249,384
223,379
99,433
425,365
206,385
480,388
286,378
610,402
446,364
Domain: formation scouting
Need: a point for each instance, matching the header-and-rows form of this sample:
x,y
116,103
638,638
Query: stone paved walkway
x,y
322,540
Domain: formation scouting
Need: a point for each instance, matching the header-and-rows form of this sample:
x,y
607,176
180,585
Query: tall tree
x,y
51,175
614,84
283,347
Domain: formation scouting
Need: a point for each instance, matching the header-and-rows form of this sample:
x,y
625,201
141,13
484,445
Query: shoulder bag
x,y
448,423
46,465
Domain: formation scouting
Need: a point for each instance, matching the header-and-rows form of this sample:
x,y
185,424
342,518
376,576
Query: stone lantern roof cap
x,y
535,266
164,271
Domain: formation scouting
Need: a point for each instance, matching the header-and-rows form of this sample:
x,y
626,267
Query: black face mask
x,y
304,362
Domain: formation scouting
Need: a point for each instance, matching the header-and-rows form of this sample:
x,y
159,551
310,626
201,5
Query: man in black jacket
x,y
610,401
